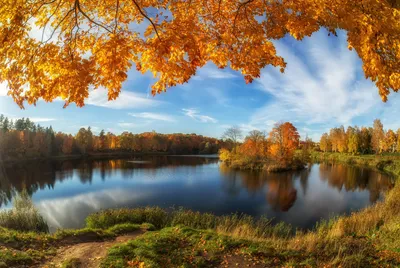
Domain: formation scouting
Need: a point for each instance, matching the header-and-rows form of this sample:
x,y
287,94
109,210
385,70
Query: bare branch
x,y
59,23
45,25
147,17
88,18
116,16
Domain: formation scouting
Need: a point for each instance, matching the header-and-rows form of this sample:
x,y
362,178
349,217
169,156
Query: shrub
x,y
108,218
24,216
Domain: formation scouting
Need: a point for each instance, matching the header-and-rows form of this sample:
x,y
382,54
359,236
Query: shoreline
x,y
95,156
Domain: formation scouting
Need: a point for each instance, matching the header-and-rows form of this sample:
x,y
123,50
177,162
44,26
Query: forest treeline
x,y
23,138
364,140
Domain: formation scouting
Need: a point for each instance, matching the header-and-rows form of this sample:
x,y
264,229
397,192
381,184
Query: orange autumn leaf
x,y
284,140
82,45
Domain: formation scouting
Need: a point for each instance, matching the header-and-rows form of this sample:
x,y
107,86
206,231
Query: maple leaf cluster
x,y
88,44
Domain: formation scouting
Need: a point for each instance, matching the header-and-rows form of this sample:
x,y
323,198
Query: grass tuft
x,y
239,225
24,216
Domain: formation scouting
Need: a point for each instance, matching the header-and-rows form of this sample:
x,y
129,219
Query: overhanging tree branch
x,y
89,19
147,17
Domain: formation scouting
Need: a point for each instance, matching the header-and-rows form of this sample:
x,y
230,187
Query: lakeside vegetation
x,y
183,237
23,139
274,153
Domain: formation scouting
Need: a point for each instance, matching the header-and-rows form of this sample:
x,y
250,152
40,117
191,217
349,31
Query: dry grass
x,y
23,216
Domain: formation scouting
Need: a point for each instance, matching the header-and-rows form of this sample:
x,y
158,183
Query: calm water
x,y
67,192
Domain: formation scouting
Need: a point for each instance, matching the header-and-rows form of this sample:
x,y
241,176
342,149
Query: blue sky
x,y
323,87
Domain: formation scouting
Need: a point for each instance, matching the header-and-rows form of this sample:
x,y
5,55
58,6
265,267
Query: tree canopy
x,y
87,44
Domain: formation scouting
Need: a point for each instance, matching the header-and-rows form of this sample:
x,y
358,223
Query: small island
x,y
274,153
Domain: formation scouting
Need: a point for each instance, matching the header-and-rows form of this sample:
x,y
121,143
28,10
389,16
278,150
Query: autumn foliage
x,y
364,140
284,141
82,45
22,139
261,151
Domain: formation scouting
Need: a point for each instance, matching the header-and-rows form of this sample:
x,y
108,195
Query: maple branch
x,y
45,25
88,18
238,11
58,25
116,16
147,17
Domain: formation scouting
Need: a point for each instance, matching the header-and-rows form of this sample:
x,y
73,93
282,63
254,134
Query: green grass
x,y
10,257
107,218
237,224
174,247
72,263
23,216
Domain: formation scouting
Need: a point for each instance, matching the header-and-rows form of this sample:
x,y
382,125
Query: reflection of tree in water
x,y
233,179
281,193
33,176
353,179
85,171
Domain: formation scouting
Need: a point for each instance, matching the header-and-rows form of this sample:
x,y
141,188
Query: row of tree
x,y
22,138
364,140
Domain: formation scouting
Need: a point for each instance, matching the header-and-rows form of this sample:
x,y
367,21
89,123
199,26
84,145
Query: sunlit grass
x,y
239,225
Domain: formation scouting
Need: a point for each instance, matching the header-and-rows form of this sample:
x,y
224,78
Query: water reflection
x,y
66,192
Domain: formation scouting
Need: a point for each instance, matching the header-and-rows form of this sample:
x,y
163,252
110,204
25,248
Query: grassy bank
x,y
184,238
191,239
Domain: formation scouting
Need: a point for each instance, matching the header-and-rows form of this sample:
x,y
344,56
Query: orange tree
x,y
284,140
87,44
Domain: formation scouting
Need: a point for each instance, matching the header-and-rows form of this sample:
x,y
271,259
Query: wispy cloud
x,y
153,116
31,118
211,71
219,95
321,84
128,125
193,113
41,119
126,100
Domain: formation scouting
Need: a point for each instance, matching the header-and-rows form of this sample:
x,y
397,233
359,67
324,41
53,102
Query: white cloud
x,y
211,71
128,125
126,100
41,119
193,113
153,116
323,85
3,89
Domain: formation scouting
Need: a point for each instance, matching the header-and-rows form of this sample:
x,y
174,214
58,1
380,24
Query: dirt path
x,y
89,254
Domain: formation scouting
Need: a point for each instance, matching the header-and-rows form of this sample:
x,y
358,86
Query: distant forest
x,y
364,140
23,139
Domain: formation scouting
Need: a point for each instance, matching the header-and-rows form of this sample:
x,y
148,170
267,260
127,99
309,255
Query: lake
x,y
66,192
